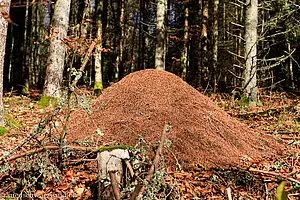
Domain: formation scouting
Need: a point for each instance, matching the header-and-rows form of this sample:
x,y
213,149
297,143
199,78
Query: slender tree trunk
x,y
55,68
183,60
215,43
3,33
251,50
98,85
141,36
160,34
121,42
132,56
291,68
84,24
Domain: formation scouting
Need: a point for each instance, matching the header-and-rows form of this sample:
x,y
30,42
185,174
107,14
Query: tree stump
x,y
110,162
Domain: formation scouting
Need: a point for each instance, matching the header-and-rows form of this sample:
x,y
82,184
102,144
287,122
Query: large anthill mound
x,y
142,102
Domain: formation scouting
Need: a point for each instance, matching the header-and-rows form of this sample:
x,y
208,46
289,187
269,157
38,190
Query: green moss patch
x,y
98,87
110,148
3,131
11,122
46,101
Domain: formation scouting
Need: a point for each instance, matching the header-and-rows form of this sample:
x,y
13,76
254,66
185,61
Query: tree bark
x,y
251,50
98,85
215,43
160,34
5,5
55,68
183,60
121,42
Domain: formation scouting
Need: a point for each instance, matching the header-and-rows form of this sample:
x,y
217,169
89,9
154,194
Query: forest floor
x,y
278,113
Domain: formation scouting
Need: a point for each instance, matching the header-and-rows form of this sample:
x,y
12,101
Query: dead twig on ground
x,y
274,174
3,159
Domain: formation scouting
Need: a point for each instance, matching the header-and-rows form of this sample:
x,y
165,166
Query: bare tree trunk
x,y
98,85
5,5
84,24
291,67
160,34
251,50
121,42
55,68
215,44
183,60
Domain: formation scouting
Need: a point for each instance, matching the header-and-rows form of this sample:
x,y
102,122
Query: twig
x,y
128,165
114,184
274,174
86,59
228,190
139,189
38,129
3,159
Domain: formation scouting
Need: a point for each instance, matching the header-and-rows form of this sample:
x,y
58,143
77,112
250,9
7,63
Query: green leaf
x,y
281,194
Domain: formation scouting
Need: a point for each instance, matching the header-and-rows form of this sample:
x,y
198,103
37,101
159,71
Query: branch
x,y
274,174
140,188
235,54
4,159
239,25
236,76
86,59
237,36
273,85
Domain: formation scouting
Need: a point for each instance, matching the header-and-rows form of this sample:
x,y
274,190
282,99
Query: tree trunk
x,y
250,51
291,67
121,42
183,60
215,43
160,34
98,85
5,5
55,68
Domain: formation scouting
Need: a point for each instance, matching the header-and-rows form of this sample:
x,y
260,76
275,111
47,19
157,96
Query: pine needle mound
x,y
141,103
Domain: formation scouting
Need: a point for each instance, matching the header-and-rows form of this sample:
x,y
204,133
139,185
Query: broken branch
x,y
140,188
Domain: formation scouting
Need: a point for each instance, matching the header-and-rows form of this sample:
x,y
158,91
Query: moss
x,y
98,87
25,89
110,148
244,101
3,131
182,62
11,122
46,101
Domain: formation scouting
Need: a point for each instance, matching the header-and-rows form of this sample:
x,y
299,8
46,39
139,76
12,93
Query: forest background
x,y
215,45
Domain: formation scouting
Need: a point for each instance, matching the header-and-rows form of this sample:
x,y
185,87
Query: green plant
x,y
281,194
244,101
3,131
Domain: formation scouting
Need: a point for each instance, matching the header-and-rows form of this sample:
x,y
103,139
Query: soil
x,y
143,102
